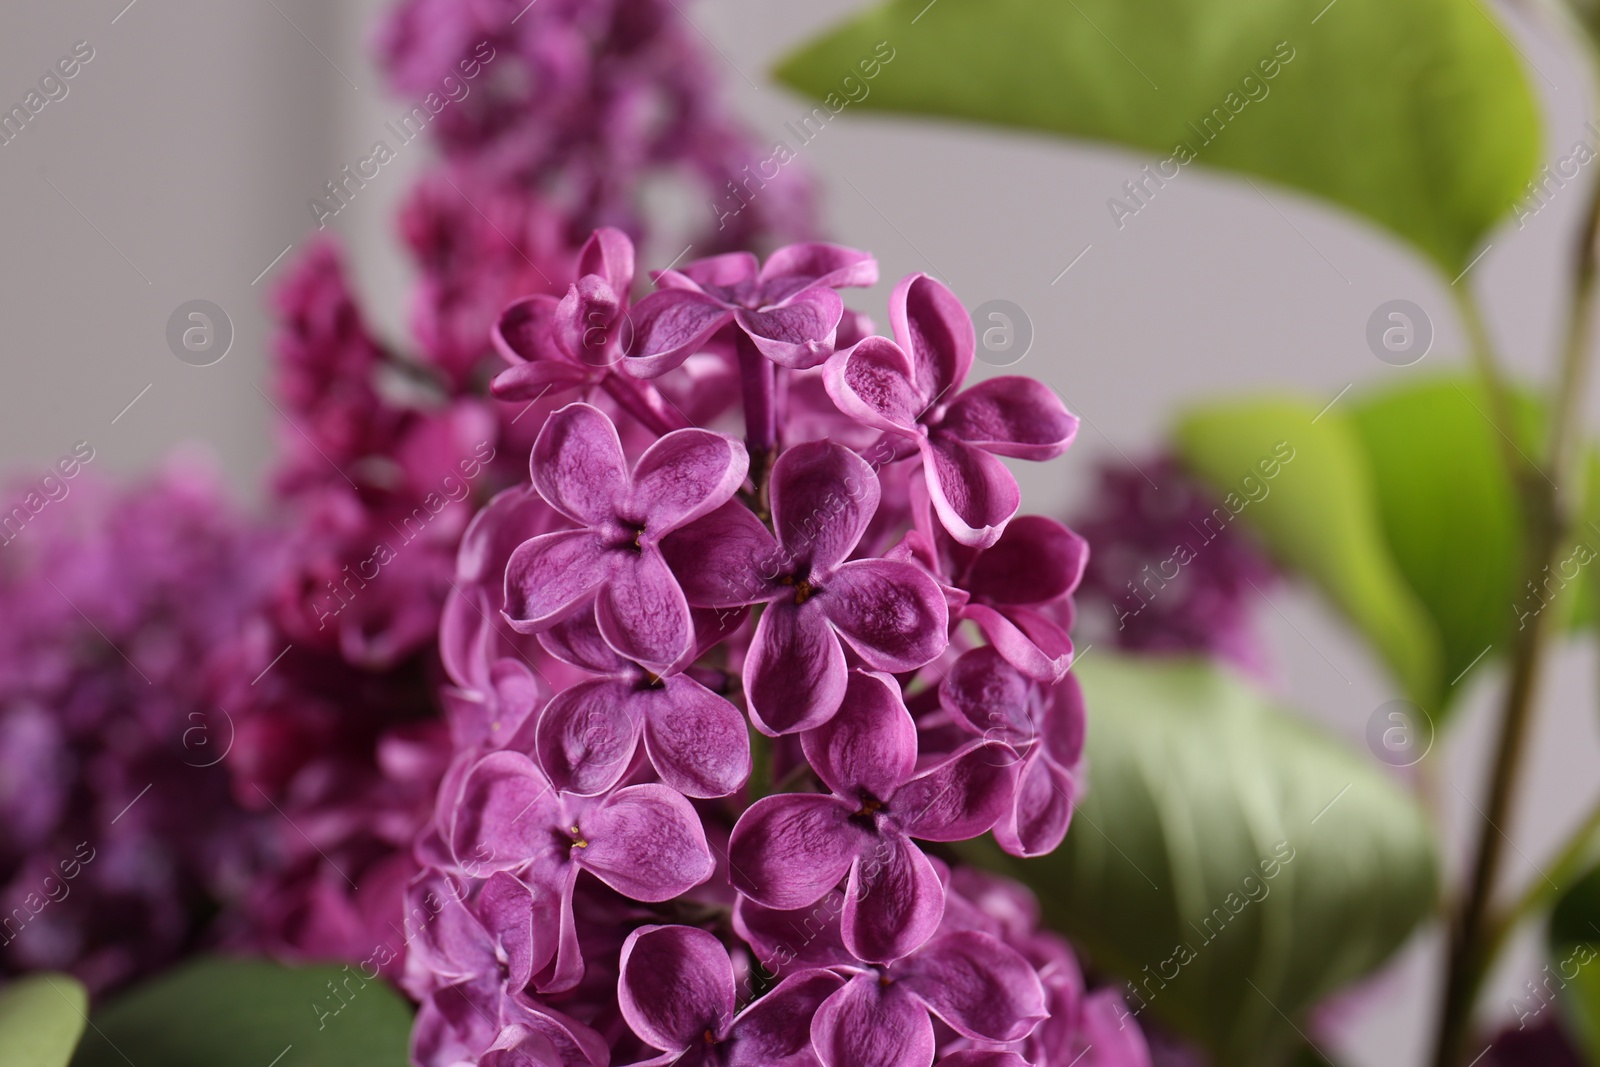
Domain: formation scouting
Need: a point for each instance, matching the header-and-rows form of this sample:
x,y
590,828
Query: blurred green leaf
x,y
1414,113
1449,513
1318,515
248,1013
1573,971
41,1018
1233,864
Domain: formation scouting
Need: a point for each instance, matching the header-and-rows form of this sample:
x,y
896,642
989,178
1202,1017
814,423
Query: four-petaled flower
x,y
677,994
787,307
615,556
789,850
889,612
908,388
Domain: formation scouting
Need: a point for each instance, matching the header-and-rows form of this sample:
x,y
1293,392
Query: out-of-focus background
x,y
180,163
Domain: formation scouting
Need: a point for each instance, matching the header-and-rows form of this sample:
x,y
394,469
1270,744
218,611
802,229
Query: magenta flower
x,y
1043,725
889,612
644,841
1035,564
908,388
883,1017
615,556
586,735
786,307
677,994
789,850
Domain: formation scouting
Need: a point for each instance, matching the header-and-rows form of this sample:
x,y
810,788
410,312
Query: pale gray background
x,y
187,148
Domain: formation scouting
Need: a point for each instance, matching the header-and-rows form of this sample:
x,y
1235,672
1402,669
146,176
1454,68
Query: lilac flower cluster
x,y
119,841
716,715
584,104
1170,568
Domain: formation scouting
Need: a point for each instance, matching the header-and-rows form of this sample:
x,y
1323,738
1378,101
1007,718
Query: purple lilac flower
x,y
1170,567
790,850
614,555
908,389
819,601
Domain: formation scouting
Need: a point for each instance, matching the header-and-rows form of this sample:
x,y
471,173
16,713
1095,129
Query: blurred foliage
x,y
1413,113
1231,863
41,1018
246,1013
1573,971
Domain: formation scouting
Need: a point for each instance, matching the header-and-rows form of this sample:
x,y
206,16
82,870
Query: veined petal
x,y
936,333
804,937
869,748
1012,416
775,1031
641,611
609,253
1040,812
586,736
981,987
799,333
683,476
1035,561
809,264
823,497
788,850
991,698
723,271
669,326
646,842
577,465
972,492
522,334
874,383
551,576
794,673
504,813
869,1025
893,614
727,559
1042,651
959,797
894,900
696,739
676,985
531,381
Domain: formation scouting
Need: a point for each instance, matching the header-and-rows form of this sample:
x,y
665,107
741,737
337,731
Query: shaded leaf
x,y
42,1017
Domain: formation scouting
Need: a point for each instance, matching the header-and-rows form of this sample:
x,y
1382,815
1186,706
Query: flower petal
x,y
504,813
530,381
798,334
676,985
869,748
551,576
508,911
727,559
869,1025
972,492
669,326
609,253
891,612
794,673
795,267
894,901
576,640
823,497
1035,561
642,612
1012,416
991,698
981,987
959,797
522,334
586,736
697,740
1041,811
788,850
936,333
873,383
775,1031
973,1057
782,940
1037,647
645,841
683,476
572,1043
724,271
588,322
1109,1031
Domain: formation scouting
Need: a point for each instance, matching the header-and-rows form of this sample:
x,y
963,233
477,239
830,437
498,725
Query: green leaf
x,y
1233,865
1413,113
41,1018
1573,970
1318,515
1450,515
248,1013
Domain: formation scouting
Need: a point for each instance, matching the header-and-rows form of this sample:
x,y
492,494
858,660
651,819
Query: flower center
x,y
803,589
577,837
711,1039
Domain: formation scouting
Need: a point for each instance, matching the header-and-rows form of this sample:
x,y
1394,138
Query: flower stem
x,y
645,403
758,380
1547,518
